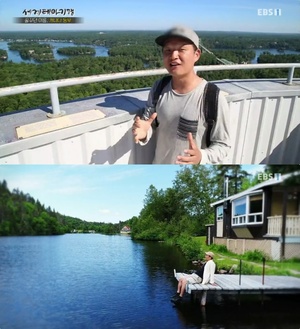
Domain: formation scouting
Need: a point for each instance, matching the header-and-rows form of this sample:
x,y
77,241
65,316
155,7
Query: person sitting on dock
x,y
204,275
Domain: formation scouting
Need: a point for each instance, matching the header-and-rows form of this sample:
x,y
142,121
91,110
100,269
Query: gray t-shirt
x,y
177,114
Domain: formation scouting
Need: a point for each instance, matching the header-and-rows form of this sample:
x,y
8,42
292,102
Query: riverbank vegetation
x,y
266,57
185,207
128,51
249,263
178,215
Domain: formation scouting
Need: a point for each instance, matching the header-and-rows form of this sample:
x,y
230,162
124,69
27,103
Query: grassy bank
x,y
251,262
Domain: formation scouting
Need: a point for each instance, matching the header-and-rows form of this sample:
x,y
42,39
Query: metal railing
x,y
55,84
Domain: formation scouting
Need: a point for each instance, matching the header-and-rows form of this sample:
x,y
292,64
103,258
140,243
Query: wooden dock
x,y
244,284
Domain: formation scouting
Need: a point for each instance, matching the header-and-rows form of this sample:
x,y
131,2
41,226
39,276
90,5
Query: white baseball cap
x,y
210,253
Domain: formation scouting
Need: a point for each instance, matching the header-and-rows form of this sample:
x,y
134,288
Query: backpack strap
x,y
160,86
210,107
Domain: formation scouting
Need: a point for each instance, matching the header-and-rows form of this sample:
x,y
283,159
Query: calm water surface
x,y
98,281
258,52
15,57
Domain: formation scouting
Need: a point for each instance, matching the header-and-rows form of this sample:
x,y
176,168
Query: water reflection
x,y
275,312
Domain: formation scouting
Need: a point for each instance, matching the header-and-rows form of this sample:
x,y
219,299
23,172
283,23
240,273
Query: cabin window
x,y
239,211
255,208
248,210
220,213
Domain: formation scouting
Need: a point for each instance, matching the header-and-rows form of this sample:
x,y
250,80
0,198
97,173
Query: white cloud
x,y
104,211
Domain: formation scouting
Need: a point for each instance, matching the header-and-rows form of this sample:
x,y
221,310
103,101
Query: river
x,y
15,57
102,51
98,281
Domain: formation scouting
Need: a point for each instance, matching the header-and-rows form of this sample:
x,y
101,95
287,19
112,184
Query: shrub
x,y
254,255
293,260
219,248
247,269
189,247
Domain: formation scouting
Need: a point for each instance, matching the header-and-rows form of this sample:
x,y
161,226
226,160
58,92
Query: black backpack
x,y
211,94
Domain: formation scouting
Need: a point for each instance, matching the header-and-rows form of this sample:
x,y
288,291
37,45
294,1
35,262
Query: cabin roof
x,y
257,188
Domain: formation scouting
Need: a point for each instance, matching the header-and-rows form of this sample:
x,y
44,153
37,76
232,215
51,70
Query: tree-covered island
x,y
76,51
39,52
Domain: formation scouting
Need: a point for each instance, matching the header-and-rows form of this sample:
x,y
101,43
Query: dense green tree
x,y
195,188
161,215
21,214
286,169
282,169
235,176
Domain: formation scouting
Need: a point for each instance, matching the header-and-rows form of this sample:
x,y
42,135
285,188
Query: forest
x,y
211,40
181,210
128,51
21,214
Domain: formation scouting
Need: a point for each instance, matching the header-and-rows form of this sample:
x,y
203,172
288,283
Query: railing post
x,y
240,274
283,228
263,271
55,103
290,75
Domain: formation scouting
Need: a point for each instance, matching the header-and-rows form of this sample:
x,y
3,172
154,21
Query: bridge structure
x,y
221,60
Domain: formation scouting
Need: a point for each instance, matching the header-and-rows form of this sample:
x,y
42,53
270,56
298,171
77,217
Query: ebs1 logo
x,y
265,176
269,12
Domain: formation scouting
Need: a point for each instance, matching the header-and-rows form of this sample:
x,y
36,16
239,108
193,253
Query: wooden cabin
x,y
265,217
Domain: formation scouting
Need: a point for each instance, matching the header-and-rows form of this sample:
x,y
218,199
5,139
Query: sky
x,y
212,15
106,194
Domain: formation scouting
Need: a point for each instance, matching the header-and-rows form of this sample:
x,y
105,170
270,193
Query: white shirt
x,y
209,272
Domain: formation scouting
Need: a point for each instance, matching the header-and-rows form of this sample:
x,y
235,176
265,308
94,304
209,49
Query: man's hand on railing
x,y
140,127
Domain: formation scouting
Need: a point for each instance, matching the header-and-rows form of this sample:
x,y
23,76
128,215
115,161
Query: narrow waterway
x,y
98,281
